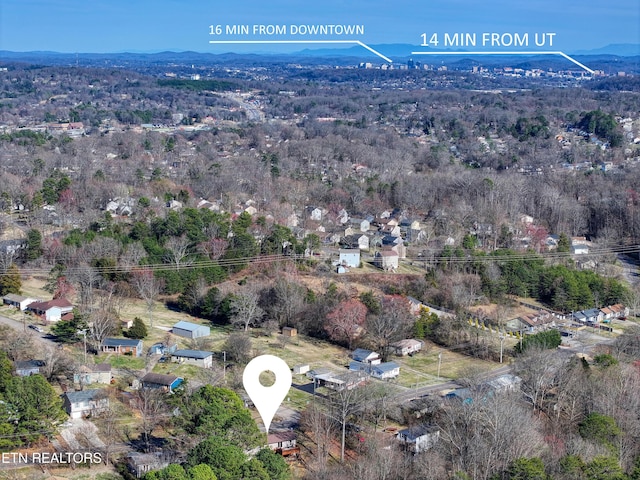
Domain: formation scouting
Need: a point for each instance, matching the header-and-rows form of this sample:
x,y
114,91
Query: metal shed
x,y
190,330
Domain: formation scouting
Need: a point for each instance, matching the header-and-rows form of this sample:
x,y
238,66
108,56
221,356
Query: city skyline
x,y
72,26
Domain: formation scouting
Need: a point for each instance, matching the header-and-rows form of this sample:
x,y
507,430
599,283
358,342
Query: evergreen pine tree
x,y
10,281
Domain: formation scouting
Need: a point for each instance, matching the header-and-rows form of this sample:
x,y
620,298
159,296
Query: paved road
x,y
23,327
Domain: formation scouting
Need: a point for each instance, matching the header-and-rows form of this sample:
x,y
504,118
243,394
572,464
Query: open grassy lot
x,y
420,369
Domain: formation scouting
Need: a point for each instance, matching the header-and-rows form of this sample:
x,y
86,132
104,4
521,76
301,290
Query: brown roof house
x,y
283,443
167,383
387,260
53,310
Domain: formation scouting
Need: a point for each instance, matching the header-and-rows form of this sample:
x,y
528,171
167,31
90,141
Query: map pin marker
x,y
267,399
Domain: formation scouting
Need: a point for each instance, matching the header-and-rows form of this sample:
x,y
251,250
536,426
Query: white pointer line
x,y
357,42
508,53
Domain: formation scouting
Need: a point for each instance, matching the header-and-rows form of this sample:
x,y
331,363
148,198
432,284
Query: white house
x,y
349,257
85,403
408,346
199,358
53,310
17,301
283,443
419,438
361,224
363,355
88,374
387,260
385,371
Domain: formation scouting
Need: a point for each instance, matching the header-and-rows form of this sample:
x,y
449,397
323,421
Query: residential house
x,y
88,374
342,217
315,214
387,260
283,443
593,315
199,358
122,346
394,243
361,224
506,382
342,381
26,368
579,249
167,383
415,305
53,310
174,205
349,257
580,245
357,241
162,349
190,330
407,346
18,301
389,229
419,438
385,371
119,206
532,322
363,355
142,463
316,372
407,224
619,310
85,403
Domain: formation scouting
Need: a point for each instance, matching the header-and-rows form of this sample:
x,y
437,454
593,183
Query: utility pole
x,y
501,345
439,363
224,365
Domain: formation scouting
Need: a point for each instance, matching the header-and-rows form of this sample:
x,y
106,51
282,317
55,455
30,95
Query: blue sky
x,y
151,26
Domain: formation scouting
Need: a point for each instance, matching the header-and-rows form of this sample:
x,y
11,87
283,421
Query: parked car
x,y
36,328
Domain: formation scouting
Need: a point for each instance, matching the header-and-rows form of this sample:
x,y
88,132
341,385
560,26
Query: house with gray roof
x,y
418,438
85,403
199,358
122,346
25,368
19,301
385,371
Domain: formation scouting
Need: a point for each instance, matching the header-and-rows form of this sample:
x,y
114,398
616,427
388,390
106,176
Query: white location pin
x,y
267,399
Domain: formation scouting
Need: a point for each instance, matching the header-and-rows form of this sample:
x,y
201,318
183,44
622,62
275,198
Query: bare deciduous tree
x,y
148,287
153,411
178,252
245,309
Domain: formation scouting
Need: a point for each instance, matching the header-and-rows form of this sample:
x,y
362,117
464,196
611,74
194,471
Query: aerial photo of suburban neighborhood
x,y
441,245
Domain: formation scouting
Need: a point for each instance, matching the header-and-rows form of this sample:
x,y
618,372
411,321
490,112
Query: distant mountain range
x,y
401,50
611,59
